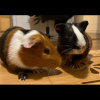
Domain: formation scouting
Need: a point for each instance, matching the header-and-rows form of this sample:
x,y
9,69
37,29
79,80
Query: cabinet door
x,y
4,23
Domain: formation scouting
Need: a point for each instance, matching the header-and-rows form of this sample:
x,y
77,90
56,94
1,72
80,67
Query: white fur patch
x,y
81,41
14,47
33,32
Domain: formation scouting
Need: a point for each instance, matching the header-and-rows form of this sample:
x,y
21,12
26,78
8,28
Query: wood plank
x,y
4,24
9,78
61,75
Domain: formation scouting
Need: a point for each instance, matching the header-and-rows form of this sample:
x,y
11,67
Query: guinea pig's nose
x,y
81,47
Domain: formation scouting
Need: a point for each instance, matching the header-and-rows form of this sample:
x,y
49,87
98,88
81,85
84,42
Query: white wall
x,y
21,20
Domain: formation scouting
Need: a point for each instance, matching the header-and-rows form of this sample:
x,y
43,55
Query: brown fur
x,y
90,40
6,46
35,56
75,51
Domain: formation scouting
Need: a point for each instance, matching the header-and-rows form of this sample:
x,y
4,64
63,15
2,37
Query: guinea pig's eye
x,y
46,51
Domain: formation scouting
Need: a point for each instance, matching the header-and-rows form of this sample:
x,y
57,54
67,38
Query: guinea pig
x,y
23,50
74,43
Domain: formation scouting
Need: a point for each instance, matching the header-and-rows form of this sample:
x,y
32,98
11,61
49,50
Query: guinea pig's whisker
x,y
86,39
65,45
66,50
88,42
68,53
70,44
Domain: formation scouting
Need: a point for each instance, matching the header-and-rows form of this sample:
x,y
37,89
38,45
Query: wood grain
x,y
61,75
4,22
5,16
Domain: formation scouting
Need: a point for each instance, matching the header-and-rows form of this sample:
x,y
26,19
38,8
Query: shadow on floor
x,y
31,75
81,72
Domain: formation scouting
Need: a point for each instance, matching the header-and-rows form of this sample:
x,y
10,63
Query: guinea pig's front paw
x,y
22,75
82,63
78,65
75,65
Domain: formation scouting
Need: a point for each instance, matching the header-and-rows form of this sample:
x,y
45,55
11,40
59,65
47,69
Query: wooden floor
x,y
89,74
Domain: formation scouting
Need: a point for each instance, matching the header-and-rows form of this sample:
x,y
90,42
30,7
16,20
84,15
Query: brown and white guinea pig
x,y
24,50
74,43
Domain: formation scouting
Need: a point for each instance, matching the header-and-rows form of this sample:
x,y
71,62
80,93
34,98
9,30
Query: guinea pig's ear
x,y
30,43
83,25
59,28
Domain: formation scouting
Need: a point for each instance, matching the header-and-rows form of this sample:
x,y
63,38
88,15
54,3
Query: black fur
x,y
68,37
25,31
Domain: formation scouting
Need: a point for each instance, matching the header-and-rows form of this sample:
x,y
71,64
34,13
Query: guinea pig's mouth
x,y
78,50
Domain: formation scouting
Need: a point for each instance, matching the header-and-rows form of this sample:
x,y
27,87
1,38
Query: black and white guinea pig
x,y
23,50
74,43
